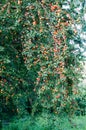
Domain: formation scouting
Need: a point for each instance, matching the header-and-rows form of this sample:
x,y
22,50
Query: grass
x,y
47,122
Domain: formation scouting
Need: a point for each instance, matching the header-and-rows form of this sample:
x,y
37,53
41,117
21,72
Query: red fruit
x,y
55,50
34,23
38,79
58,96
53,7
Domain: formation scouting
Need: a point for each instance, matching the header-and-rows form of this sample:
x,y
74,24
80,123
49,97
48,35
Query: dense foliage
x,y
39,58
47,122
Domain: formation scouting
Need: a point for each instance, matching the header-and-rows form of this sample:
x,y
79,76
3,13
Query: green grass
x,y
48,122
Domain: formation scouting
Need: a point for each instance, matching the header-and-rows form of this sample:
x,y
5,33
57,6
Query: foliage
x,y
13,73
47,122
81,100
39,58
50,53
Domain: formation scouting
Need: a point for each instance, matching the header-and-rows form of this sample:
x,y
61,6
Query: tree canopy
x,y
40,54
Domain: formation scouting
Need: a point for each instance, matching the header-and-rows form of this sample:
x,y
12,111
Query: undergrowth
x,y
47,122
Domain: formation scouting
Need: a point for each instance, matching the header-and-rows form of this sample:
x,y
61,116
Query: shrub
x,y
81,100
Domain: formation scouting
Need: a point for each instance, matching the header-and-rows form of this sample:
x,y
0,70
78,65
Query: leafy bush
x,y
81,100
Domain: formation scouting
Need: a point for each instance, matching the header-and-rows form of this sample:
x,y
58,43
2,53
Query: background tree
x,y
40,56
14,79
52,55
